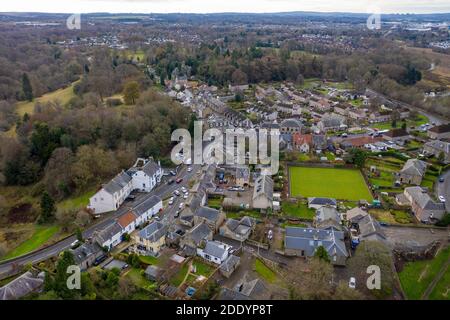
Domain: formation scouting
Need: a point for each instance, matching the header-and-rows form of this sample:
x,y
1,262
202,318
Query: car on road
x,y
171,201
183,189
170,181
177,213
384,224
173,173
189,169
441,179
441,198
181,206
179,180
74,244
352,283
177,193
130,197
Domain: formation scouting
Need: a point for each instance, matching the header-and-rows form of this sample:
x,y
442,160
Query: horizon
x,y
231,6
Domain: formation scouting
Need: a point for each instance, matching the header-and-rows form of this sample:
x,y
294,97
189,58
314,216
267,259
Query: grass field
x,y
343,184
265,273
442,289
77,202
61,95
297,210
417,276
41,235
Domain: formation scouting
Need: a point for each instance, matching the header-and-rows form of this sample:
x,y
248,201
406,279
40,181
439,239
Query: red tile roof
x,y
126,219
300,139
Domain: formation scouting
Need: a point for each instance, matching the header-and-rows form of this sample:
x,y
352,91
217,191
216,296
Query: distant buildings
x,y
438,148
439,132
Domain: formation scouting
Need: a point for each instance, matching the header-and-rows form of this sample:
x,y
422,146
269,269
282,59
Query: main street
x,y
164,190
443,189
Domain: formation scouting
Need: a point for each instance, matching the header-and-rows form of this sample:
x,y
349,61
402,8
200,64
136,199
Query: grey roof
x,y
153,232
423,200
230,263
414,167
309,239
322,201
243,172
263,186
146,205
355,214
327,213
199,233
22,286
117,183
85,251
150,168
319,141
369,226
208,213
291,123
153,271
215,249
108,232
439,145
270,125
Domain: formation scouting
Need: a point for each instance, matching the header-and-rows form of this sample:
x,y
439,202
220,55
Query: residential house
x,y
153,273
397,135
214,251
368,228
239,230
316,203
212,217
327,217
377,117
291,126
146,174
128,222
413,172
440,132
229,265
150,240
355,214
303,242
319,142
263,193
22,286
110,236
147,209
86,255
246,290
196,236
302,142
112,195
331,122
242,176
424,208
437,148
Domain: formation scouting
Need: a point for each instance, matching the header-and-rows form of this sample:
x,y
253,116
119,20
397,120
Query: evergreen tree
x,y
47,208
322,254
26,87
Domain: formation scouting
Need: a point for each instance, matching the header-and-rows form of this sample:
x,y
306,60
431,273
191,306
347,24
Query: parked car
x,y
171,201
74,244
183,189
441,198
189,169
170,181
173,173
177,214
181,205
185,196
177,193
352,283
441,179
131,197
179,180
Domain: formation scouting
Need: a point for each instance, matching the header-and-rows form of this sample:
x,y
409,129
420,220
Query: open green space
x,y
297,210
264,272
442,289
178,278
202,269
345,184
417,276
41,235
139,280
149,260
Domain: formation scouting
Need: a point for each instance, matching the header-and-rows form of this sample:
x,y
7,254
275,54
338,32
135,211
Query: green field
x,y
39,238
264,272
417,276
297,210
343,184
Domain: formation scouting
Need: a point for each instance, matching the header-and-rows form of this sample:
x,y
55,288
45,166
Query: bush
x,y
112,102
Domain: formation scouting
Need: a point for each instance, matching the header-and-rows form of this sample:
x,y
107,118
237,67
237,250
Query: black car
x,y
441,179
131,197
170,181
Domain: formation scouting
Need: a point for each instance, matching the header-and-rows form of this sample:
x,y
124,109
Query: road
x,y
163,190
443,189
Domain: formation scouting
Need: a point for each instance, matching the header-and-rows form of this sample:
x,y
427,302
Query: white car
x,y
441,198
185,196
352,283
189,169
181,205
171,201
74,244
177,193
183,189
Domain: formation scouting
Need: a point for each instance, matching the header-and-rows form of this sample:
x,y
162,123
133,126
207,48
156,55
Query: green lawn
x,y
41,235
149,260
139,280
442,289
344,184
265,273
416,276
76,203
297,210
177,279
203,269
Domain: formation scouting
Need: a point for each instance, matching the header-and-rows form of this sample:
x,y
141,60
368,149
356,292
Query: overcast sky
x,y
208,6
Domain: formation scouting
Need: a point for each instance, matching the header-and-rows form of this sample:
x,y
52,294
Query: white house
x,y
143,176
109,237
214,251
147,209
112,194
146,174
128,222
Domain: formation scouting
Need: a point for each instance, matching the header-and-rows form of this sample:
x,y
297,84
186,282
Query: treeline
x,y
71,150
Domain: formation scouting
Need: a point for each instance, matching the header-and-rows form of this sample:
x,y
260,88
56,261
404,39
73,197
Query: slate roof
x,y
355,213
319,141
154,231
84,251
146,205
230,263
309,239
326,213
215,249
423,200
321,201
108,232
199,233
414,167
291,123
369,226
22,286
263,185
208,213
153,271
439,145
243,173
117,183
441,129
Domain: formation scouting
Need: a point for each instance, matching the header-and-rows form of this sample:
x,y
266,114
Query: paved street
x,y
164,190
414,236
443,189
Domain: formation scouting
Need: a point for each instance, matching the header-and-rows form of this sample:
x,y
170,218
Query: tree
x,y
131,92
404,125
357,157
61,276
394,123
441,157
343,292
26,87
79,235
47,208
322,254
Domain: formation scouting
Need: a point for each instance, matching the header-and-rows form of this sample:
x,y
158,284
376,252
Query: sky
x,y
210,6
